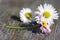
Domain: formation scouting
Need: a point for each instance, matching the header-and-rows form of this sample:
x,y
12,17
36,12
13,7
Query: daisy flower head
x,y
25,15
45,27
48,12
46,30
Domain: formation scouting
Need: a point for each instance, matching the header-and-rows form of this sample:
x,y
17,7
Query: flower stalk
x,y
19,28
14,27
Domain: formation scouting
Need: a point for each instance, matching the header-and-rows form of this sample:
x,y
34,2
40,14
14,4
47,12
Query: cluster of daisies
x,y
45,16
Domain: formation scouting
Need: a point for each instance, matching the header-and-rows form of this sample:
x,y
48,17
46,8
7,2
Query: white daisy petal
x,y
37,12
40,8
45,6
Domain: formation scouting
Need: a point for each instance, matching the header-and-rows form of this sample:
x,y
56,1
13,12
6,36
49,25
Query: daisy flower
x,y
25,15
45,27
48,12
46,30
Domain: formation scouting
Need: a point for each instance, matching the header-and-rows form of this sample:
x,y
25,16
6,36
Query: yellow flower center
x,y
27,15
46,14
44,24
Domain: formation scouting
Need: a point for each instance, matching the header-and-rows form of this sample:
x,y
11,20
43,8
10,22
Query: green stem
x,y
14,27
19,28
